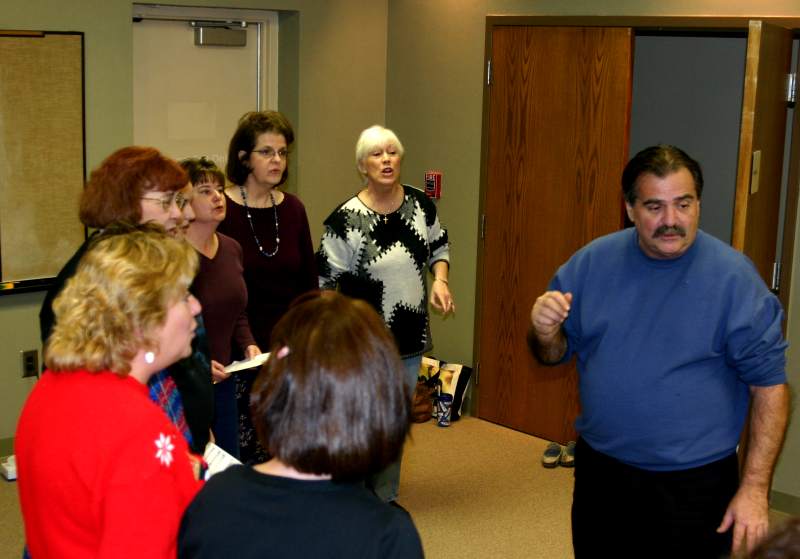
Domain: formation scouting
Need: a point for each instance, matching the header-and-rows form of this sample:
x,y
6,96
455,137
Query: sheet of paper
x,y
256,361
217,460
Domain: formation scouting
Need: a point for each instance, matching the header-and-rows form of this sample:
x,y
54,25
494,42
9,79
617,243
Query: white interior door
x,y
187,99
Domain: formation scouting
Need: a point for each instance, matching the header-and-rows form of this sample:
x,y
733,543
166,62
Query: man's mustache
x,y
669,229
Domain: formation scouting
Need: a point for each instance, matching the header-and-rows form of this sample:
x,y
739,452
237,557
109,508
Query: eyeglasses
x,y
208,190
269,153
178,198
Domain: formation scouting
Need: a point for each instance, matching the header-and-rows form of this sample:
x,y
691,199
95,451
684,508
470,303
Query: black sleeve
x,y
192,377
401,539
46,316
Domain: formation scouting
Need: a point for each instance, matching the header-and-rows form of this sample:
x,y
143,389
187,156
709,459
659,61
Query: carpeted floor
x,y
474,489
11,531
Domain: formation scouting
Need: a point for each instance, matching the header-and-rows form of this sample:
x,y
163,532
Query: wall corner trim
x,y
783,502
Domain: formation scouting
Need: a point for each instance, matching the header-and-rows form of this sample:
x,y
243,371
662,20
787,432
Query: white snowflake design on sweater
x,y
165,448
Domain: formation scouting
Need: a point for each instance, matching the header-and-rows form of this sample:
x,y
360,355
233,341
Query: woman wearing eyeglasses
x,y
220,287
140,185
272,227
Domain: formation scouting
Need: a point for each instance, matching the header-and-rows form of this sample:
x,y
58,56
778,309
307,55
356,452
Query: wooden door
x,y
557,141
790,209
763,129
761,140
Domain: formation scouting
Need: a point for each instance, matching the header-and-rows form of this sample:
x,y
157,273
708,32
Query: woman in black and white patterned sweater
x,y
376,247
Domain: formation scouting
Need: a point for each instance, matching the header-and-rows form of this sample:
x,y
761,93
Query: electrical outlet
x,y
30,363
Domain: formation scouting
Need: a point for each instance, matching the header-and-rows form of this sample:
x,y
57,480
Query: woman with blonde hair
x,y
102,471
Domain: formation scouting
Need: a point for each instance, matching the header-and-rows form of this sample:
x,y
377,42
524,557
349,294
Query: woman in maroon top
x,y
220,287
272,228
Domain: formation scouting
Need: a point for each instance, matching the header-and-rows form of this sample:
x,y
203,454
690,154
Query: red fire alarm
x,y
433,184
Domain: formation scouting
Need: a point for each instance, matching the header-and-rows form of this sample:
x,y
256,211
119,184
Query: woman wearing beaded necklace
x,y
272,228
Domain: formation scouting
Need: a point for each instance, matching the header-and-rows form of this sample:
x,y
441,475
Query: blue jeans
x,y
226,417
386,483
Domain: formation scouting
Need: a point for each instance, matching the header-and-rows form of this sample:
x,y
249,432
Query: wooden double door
x,y
557,109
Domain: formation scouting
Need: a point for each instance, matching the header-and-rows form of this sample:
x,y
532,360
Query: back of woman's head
x,y
783,543
331,399
117,298
116,187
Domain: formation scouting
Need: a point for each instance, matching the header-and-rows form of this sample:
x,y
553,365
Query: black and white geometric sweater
x,y
382,260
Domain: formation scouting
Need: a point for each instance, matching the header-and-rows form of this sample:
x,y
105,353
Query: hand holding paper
x,y
256,361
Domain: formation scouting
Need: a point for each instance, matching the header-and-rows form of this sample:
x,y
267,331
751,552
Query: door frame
x,y
668,25
268,29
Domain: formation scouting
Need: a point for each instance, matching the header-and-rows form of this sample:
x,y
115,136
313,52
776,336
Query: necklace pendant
x,y
252,226
385,219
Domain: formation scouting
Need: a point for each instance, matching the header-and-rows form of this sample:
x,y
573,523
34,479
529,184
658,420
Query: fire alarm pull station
x,y
433,184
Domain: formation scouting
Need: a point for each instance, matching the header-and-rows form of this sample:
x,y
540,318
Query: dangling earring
x,y
149,357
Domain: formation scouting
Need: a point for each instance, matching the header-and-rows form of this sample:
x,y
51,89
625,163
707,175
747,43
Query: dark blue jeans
x,y
226,416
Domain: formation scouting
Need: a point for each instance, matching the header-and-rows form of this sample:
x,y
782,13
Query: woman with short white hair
x,y
376,246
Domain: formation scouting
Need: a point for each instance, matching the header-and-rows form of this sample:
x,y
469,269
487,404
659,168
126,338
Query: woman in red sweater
x,y
102,471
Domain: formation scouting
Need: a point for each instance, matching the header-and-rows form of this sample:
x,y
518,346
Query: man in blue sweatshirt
x,y
675,334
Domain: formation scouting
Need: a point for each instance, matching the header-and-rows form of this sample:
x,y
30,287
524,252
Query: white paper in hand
x,y
256,361
217,460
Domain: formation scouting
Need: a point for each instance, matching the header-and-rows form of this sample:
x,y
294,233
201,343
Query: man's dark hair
x,y
660,160
332,398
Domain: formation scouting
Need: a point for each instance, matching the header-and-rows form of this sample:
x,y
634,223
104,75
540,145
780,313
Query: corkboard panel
x,y
41,155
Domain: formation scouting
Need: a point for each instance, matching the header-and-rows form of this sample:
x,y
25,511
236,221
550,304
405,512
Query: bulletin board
x,y
42,155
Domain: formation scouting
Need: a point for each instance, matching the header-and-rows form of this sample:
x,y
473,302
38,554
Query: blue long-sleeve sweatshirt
x,y
667,349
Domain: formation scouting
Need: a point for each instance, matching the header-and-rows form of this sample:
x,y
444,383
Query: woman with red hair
x,y
140,185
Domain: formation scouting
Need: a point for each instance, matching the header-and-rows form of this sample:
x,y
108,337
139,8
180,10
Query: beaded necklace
x,y
253,229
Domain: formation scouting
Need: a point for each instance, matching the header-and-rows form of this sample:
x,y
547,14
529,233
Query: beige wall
x,y
340,90
434,101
